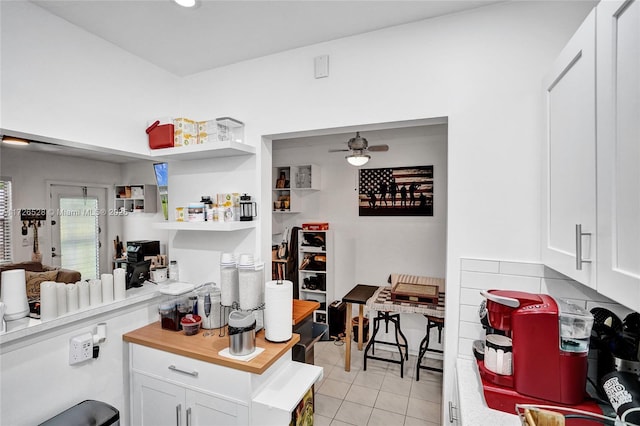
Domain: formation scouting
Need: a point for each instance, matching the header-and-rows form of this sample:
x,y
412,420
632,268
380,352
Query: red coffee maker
x,y
550,344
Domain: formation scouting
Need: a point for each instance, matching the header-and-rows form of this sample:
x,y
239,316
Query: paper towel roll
x,y
119,283
278,310
83,294
14,294
62,298
95,292
107,288
48,300
72,297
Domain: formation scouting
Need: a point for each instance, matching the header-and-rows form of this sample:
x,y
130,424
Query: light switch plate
x,y
321,66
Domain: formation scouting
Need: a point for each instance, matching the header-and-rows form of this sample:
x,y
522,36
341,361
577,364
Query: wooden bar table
x,y
359,295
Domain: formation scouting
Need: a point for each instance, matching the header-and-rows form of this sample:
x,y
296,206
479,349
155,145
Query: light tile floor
x,y
377,396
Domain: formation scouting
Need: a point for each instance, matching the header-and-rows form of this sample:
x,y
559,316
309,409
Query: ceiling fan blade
x,y
379,148
338,150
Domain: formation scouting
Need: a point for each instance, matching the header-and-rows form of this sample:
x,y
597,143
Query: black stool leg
x,y
405,345
371,344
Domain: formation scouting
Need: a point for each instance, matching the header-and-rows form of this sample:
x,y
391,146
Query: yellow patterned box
x,y
185,132
207,131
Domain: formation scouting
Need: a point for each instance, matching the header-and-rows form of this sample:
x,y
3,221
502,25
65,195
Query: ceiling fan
x,y
359,150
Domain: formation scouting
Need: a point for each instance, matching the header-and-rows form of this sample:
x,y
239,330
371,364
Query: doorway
x,y
78,228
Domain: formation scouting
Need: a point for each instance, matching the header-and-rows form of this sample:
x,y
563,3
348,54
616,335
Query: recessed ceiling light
x,y
10,140
186,3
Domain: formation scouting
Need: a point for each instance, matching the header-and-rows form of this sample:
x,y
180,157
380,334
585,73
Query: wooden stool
x,y
432,322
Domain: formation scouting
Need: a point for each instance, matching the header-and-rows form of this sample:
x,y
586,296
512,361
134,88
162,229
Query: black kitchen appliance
x,y
337,319
137,250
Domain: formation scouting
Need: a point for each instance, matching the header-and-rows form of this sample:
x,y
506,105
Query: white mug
x,y
498,354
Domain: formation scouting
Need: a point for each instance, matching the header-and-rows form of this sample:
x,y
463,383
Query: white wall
x,y
31,170
367,249
60,82
40,370
481,69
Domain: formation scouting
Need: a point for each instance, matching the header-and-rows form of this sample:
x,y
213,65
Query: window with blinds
x,y
79,235
5,221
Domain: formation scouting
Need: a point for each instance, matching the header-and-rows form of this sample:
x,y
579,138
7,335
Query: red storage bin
x,y
160,135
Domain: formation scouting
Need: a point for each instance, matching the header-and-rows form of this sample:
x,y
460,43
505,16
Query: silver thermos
x,y
242,333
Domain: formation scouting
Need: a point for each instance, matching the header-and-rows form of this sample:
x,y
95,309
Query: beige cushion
x,y
34,279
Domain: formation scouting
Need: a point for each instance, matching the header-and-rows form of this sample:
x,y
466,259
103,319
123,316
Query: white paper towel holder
x,y
286,320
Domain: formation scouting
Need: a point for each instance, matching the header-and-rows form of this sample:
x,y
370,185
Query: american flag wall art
x,y
398,191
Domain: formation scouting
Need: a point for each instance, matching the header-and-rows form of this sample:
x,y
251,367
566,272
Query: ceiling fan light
x,y
186,3
10,140
358,159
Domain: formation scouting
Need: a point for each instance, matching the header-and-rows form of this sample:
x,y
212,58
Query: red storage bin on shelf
x,y
160,135
315,226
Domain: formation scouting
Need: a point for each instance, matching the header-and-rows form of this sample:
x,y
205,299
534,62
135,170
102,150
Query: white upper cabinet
x,y
569,159
619,151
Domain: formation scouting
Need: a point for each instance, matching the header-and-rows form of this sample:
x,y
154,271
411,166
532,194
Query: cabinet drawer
x,y
191,372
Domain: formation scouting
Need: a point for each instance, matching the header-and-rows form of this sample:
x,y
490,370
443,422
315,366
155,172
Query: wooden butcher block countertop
x,y
302,309
207,348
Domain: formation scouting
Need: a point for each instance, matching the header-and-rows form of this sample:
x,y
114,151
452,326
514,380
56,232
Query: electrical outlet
x,y
80,348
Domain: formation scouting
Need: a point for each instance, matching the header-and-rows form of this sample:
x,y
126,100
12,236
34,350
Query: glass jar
x,y
228,280
251,282
174,273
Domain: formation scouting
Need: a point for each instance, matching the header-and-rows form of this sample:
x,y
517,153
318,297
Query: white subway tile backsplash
x,y
552,273
569,289
471,330
470,296
476,265
465,348
620,310
521,268
469,313
478,274
484,281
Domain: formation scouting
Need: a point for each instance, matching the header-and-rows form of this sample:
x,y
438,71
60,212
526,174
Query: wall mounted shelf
x,y
205,226
200,151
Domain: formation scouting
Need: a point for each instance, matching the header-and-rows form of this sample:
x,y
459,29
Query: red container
x,y
160,135
315,226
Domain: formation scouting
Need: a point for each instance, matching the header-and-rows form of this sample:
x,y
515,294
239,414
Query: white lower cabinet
x,y
158,402
169,389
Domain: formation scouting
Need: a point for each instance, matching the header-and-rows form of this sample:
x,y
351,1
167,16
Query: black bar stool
x,y
395,319
432,322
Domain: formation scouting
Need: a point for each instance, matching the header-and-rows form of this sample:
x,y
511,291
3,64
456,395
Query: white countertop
x,y
27,327
472,409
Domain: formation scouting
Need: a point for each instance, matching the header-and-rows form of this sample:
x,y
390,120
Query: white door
x,y
204,410
78,229
569,174
156,402
619,151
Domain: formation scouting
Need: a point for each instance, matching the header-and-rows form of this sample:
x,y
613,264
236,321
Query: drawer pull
x,y
178,415
190,373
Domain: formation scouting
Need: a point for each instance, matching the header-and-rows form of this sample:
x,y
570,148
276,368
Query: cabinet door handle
x,y
452,416
178,414
189,416
579,235
193,373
